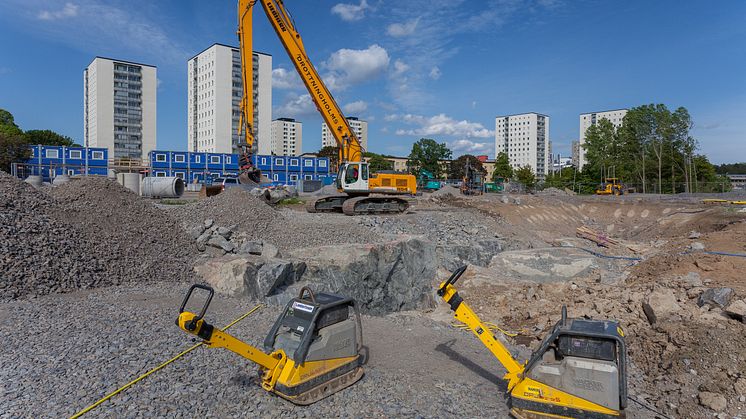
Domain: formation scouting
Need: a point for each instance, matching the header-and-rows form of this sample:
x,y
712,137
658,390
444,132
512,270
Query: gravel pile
x,y
287,229
87,233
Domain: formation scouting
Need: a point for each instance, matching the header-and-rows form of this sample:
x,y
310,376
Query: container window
x,y
322,163
308,177
308,163
196,158
276,177
215,159
264,160
179,175
227,159
160,174
293,162
70,172
75,154
279,162
160,157
293,177
97,155
179,158
52,153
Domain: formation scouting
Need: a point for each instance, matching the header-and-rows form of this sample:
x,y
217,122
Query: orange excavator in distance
x,y
360,191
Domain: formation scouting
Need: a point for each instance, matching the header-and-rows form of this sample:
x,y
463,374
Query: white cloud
x,y
441,125
295,106
285,79
473,104
67,11
402,29
356,107
350,12
435,73
400,67
352,66
464,146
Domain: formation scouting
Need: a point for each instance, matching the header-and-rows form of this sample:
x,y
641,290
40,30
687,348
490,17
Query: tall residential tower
x,y
525,138
214,90
587,119
287,137
359,127
119,107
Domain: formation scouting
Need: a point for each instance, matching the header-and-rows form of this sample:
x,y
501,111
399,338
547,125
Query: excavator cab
x,y
352,178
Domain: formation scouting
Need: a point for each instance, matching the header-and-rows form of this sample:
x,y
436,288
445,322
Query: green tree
x,y
731,168
332,153
13,149
8,124
503,169
456,169
378,163
525,176
48,137
427,154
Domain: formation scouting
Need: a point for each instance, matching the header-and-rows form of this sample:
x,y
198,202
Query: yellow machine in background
x,y
580,369
611,186
353,178
314,346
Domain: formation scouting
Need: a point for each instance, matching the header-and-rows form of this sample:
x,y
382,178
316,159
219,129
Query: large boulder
x,y
715,297
661,304
382,278
249,276
453,256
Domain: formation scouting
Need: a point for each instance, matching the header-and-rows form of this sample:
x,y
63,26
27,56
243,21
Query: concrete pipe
x,y
162,187
111,174
60,180
132,182
35,181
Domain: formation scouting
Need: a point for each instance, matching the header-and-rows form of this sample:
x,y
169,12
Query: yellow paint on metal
x,y
535,391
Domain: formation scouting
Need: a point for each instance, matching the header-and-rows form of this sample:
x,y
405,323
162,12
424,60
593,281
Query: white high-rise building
x,y
587,119
287,137
525,138
359,127
119,107
214,100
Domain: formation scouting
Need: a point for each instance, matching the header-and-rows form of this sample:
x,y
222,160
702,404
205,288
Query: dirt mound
x,y
81,235
286,229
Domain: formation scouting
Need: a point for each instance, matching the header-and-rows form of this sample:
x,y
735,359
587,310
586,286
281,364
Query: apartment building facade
x,y
615,116
525,138
359,127
287,137
214,90
119,107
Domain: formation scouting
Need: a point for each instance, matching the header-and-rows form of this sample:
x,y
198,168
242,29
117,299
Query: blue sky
x,y
419,68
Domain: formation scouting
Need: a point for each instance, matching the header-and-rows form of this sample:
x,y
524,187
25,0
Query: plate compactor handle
x,y
193,323
452,280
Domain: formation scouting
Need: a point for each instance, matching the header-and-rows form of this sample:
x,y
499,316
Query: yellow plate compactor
x,y
579,371
313,349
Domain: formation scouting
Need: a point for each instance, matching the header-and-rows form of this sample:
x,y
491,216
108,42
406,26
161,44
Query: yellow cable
x,y
491,326
159,367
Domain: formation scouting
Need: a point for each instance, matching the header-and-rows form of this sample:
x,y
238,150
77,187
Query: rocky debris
x,y
275,194
697,246
382,278
253,219
224,239
737,310
86,233
552,191
715,297
713,401
694,235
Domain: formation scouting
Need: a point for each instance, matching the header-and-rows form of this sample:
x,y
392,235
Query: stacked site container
x,y
195,167
51,161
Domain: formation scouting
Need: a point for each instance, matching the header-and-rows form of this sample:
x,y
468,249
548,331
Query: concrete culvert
x,y
162,187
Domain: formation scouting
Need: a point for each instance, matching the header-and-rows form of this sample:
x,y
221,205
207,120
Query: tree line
x,y
15,142
652,149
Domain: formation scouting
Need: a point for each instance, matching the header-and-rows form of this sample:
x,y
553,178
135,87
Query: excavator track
x,y
331,203
374,205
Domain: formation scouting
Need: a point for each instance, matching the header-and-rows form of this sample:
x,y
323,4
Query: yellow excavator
x,y
314,348
578,371
360,191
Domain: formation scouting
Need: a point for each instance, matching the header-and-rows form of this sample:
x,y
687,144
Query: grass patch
x,y
291,201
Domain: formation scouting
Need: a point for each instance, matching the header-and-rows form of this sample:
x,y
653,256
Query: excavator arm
x,y
350,149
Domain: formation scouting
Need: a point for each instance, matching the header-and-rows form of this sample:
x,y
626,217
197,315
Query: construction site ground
x,y
67,344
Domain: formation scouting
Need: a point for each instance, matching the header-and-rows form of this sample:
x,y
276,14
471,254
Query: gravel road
x,y
63,352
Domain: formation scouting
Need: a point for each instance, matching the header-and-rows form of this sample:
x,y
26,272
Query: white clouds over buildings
x,y
347,67
440,124
355,107
402,29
